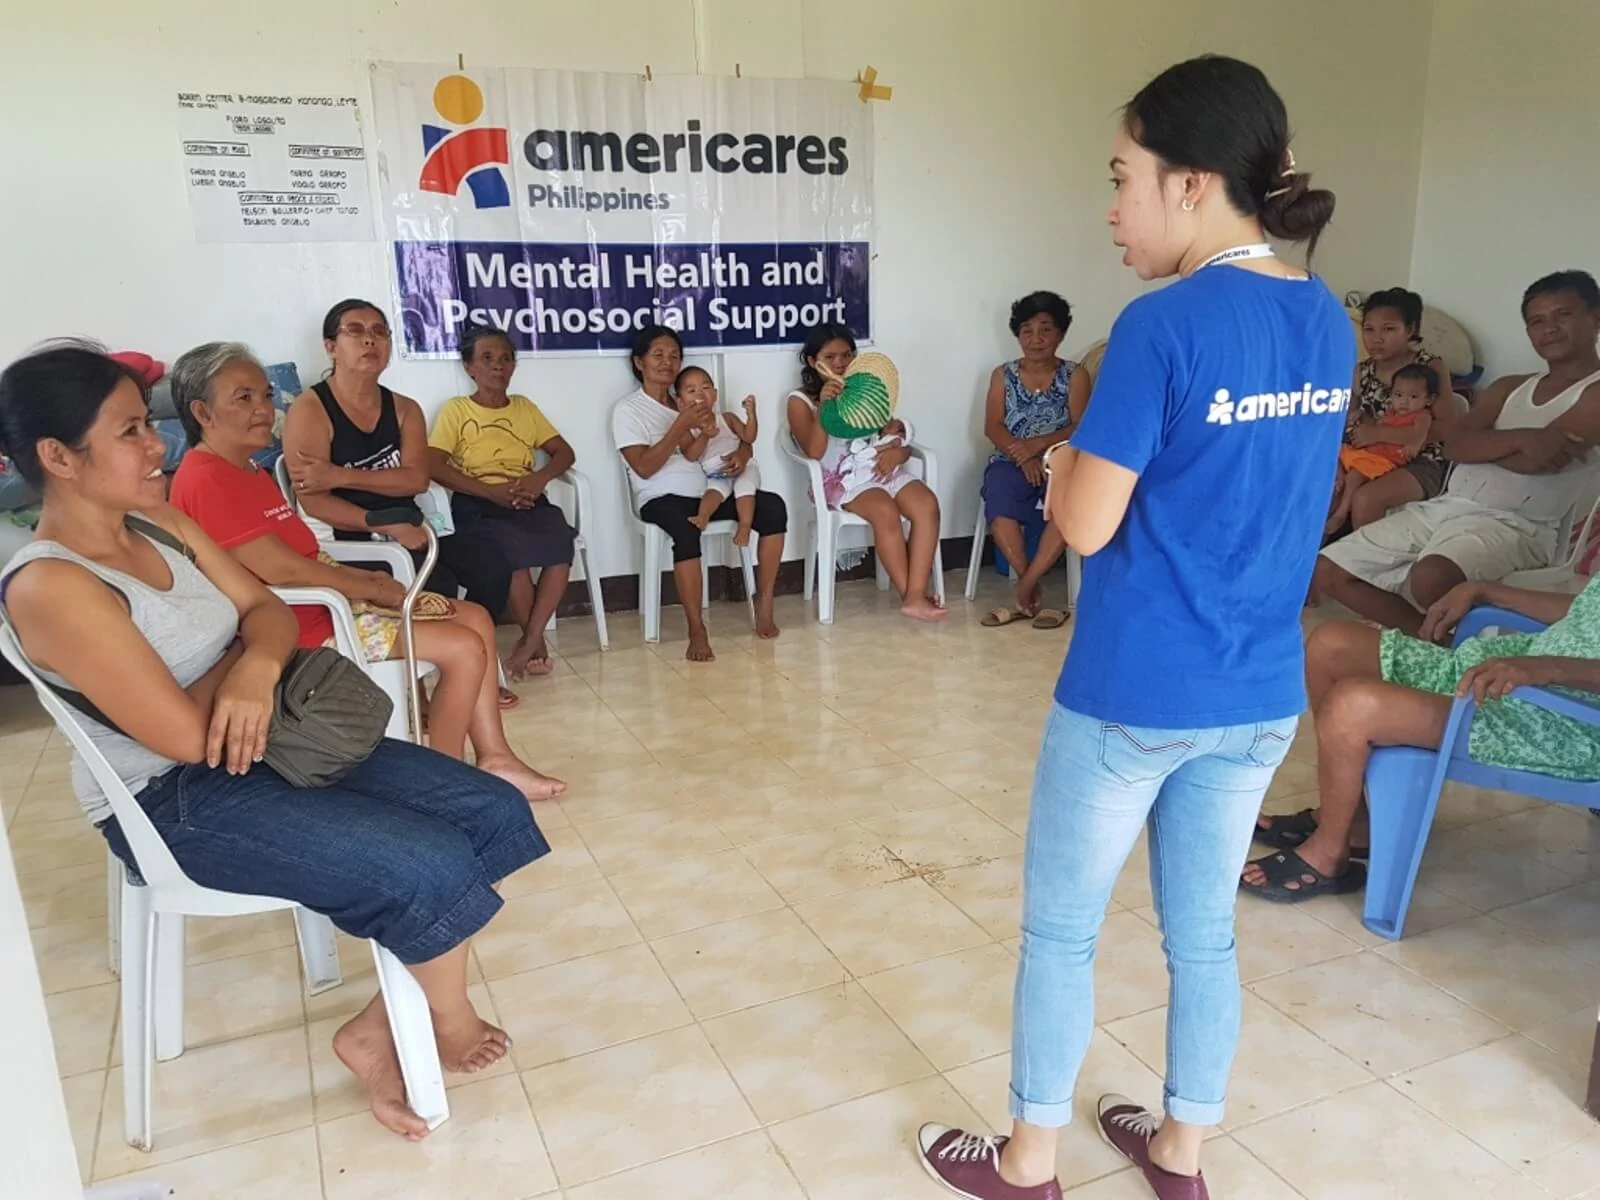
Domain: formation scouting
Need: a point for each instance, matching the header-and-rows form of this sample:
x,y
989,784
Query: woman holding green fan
x,y
864,465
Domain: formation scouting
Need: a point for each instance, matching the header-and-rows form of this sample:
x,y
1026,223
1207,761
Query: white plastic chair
x,y
1562,576
435,505
826,525
152,951
658,554
980,531
389,675
570,492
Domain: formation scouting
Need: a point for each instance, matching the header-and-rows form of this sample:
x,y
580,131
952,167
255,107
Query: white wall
x,y
991,177
1510,170
35,1139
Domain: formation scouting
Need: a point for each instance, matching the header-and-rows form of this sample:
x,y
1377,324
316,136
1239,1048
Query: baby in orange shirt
x,y
1376,448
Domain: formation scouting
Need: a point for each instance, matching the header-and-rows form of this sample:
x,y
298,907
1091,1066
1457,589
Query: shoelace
x,y
1139,1121
970,1147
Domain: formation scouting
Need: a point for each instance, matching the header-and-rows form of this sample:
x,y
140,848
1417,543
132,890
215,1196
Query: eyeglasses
x,y
379,333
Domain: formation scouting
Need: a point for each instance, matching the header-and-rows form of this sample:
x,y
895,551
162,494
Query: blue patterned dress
x,y
1032,414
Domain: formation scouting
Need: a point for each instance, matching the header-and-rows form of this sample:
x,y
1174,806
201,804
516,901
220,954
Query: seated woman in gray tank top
x,y
185,657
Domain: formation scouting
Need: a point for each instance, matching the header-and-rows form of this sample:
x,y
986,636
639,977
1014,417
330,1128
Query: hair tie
x,y
1288,172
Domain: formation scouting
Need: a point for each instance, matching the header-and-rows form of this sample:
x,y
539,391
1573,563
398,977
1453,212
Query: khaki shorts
x,y
1485,544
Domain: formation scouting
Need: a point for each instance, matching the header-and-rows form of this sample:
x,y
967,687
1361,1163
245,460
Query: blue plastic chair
x,y
1403,784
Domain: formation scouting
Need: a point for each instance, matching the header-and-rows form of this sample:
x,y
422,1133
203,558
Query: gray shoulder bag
x,y
327,715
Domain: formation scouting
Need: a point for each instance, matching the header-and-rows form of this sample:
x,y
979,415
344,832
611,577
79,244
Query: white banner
x,y
571,208
263,168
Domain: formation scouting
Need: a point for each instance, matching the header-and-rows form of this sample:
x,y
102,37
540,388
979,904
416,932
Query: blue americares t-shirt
x,y
1226,393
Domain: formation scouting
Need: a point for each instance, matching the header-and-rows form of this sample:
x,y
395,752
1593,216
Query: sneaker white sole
x,y
928,1168
1110,1100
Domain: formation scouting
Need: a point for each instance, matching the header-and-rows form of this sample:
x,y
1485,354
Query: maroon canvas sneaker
x,y
1127,1128
969,1165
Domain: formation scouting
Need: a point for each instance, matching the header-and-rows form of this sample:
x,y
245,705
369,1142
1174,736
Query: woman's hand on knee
x,y
1445,613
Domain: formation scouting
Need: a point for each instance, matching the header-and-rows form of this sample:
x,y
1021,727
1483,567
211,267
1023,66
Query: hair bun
x,y
1294,211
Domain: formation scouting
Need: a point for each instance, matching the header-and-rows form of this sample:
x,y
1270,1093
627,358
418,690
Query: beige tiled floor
x,y
778,930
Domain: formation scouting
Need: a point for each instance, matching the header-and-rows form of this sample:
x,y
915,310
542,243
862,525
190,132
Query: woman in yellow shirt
x,y
483,448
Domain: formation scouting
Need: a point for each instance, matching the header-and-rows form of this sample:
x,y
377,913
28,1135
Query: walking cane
x,y
411,516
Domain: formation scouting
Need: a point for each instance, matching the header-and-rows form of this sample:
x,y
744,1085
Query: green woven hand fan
x,y
867,403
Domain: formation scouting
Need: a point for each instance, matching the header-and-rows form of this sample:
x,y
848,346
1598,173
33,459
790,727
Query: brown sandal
x,y
1004,616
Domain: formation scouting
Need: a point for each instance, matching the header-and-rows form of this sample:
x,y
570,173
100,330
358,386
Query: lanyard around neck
x,y
1238,253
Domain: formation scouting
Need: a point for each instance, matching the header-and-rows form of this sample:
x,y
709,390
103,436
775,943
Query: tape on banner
x,y
871,89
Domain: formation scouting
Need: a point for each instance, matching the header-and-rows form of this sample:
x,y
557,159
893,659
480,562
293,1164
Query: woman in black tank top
x,y
354,447
351,423
357,449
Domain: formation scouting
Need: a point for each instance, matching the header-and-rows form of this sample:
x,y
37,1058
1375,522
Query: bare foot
x,y
365,1047
528,657
1027,605
923,609
508,699
533,784
468,1043
741,536
699,646
766,626
699,522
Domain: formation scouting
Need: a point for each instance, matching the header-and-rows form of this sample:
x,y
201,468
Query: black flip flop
x,y
1290,830
1287,867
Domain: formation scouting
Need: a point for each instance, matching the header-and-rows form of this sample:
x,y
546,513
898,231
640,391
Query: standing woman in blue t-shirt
x,y
1194,489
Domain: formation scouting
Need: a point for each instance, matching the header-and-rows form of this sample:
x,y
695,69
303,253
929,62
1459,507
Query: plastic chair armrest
x,y
582,496
338,608
391,554
1559,703
1488,617
787,444
930,464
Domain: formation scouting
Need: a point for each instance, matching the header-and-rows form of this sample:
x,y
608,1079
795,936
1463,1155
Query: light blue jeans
x,y
1096,786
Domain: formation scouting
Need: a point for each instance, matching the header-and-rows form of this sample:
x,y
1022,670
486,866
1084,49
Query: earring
x,y
1188,204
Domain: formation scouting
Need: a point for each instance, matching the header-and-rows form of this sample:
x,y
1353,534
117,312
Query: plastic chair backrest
x,y
280,472
791,448
155,860
1573,538
631,506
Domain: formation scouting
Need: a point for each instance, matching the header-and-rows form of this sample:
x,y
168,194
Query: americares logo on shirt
x,y
1269,405
1189,617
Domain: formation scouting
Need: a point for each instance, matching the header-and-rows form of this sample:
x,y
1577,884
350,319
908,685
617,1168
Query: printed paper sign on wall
x,y
571,208
263,168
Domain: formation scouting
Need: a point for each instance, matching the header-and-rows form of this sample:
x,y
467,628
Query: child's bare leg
x,y
746,508
709,503
1344,493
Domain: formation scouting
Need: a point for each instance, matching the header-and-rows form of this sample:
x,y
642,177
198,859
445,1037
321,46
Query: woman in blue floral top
x,y
1033,403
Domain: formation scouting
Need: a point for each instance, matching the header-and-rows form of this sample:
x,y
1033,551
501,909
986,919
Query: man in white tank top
x,y
1524,459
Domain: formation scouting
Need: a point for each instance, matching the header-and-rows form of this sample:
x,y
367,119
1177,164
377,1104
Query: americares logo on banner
x,y
474,155
569,207
691,150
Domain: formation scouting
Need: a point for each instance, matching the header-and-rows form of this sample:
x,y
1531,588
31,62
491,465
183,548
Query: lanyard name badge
x,y
1238,253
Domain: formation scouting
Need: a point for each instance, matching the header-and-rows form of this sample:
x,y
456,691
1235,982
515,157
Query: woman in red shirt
x,y
225,403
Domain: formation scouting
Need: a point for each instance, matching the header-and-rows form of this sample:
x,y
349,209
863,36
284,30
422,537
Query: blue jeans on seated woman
x,y
1096,786
403,850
